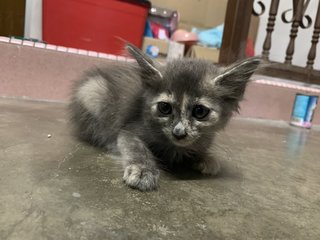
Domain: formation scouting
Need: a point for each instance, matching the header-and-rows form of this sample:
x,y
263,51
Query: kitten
x,y
158,114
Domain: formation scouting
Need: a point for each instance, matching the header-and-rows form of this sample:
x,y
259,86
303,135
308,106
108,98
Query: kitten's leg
x,y
140,170
209,165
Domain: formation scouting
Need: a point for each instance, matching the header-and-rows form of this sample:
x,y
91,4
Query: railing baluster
x,y
314,41
297,16
271,22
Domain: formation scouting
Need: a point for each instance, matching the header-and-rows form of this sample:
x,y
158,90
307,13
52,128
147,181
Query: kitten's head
x,y
191,99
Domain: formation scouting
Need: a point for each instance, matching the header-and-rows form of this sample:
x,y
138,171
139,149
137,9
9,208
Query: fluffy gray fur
x,y
150,113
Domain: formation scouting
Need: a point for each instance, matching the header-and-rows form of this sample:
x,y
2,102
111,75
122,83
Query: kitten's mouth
x,y
181,142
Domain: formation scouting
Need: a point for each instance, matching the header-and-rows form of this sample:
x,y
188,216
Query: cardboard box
x,y
175,50
201,52
167,49
197,13
161,44
195,51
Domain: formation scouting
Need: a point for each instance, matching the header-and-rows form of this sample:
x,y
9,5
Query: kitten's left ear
x,y
231,83
147,65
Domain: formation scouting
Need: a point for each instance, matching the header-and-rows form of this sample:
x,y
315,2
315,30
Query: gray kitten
x,y
156,114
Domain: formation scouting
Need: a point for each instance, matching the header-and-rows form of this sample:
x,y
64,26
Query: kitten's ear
x,y
232,82
147,65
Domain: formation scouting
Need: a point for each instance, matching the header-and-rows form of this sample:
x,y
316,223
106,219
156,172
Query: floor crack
x,y
69,155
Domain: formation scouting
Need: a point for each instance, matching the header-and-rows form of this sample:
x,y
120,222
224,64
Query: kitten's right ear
x,y
233,80
147,65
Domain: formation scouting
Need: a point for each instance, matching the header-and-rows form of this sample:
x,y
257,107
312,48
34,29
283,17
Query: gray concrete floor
x,y
58,188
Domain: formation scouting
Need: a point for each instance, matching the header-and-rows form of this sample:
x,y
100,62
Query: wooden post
x,y
271,21
12,15
236,29
314,41
297,17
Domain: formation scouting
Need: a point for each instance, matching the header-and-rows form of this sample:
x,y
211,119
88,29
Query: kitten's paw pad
x,y
140,177
209,168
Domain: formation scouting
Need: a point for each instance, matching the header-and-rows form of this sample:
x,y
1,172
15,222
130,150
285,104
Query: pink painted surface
x,y
40,73
272,102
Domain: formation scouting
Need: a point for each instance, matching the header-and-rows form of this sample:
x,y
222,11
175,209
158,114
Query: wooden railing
x,y
235,35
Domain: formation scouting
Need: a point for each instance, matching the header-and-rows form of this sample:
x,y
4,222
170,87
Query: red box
x,y
94,24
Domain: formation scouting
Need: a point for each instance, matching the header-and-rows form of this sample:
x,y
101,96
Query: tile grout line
x,y
288,85
56,48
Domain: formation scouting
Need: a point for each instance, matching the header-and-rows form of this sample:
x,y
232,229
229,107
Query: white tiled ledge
x,y
286,83
64,49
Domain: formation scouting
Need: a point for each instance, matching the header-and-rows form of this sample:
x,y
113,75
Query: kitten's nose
x,y
179,132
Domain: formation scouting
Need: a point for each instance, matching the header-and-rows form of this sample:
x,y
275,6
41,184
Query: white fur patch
x,y
217,78
156,70
184,105
92,93
132,174
205,102
164,97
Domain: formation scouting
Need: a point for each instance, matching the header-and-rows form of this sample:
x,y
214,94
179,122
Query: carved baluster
x,y
271,22
297,17
314,41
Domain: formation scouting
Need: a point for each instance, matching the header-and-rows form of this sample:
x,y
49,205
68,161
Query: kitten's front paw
x,y
140,177
211,167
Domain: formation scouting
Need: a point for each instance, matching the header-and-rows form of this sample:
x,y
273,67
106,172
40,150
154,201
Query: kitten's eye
x,y
164,108
200,112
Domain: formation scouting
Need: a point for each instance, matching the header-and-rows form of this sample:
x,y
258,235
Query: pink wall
x,y
37,73
272,102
